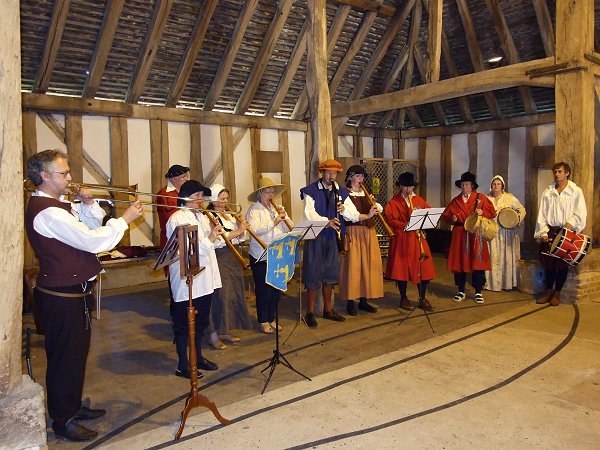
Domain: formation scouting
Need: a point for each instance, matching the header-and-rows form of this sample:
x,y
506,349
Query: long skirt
x,y
229,309
361,273
505,250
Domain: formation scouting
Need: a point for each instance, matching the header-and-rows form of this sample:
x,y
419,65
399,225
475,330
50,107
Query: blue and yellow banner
x,y
282,253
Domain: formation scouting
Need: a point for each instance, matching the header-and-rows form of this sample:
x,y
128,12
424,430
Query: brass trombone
x,y
74,188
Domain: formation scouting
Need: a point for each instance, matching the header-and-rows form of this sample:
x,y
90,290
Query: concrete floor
x,y
506,373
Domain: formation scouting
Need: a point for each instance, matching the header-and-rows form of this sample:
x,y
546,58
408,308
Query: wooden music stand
x,y
185,239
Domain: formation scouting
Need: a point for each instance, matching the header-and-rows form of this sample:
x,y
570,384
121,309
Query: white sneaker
x,y
459,297
478,298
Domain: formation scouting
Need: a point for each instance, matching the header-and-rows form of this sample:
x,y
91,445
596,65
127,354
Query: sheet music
x,y
424,219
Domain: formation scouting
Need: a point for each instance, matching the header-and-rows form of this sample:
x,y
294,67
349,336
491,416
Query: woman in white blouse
x,y
268,223
204,283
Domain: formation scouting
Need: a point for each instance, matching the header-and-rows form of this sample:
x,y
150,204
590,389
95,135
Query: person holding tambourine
x,y
562,206
505,249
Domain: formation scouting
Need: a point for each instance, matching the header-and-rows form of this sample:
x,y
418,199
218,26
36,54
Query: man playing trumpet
x,y
66,238
409,257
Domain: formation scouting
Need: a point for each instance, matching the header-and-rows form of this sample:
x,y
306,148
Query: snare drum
x,y
509,218
569,246
478,224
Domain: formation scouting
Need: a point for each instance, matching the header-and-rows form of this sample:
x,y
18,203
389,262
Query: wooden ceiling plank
x,y
369,5
510,50
237,36
263,56
289,72
545,23
112,13
475,53
434,41
55,32
149,49
192,50
337,25
471,84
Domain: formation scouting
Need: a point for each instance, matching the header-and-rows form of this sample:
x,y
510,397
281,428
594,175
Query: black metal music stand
x,y
185,241
422,219
278,357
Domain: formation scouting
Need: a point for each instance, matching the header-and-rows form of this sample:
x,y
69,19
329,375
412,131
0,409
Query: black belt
x,y
64,294
459,224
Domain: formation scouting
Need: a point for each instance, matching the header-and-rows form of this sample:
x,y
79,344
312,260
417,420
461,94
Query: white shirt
x,y
229,223
83,229
362,194
262,221
210,278
350,212
557,210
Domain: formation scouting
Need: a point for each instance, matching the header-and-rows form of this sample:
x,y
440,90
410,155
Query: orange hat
x,y
331,165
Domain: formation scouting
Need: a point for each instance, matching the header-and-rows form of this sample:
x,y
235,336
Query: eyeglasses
x,y
64,174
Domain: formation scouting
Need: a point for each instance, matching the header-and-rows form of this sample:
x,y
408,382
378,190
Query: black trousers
x,y
67,331
477,280
267,296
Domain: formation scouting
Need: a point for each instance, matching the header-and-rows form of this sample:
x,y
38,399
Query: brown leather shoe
x,y
545,298
406,304
425,305
555,301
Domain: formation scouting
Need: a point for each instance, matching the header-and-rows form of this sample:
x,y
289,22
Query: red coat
x,y
403,257
164,212
467,253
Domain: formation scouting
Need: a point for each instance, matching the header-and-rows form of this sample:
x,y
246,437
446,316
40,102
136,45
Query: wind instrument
x,y
420,235
252,233
213,220
388,229
287,223
339,240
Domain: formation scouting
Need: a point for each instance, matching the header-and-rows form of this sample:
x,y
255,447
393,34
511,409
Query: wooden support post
x,y
196,152
159,156
254,149
422,178
29,133
74,143
500,154
119,165
472,143
446,172
531,182
228,161
284,148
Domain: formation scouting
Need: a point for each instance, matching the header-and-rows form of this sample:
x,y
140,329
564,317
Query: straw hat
x,y
265,183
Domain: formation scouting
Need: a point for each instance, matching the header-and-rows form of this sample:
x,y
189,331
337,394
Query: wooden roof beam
x,y
434,41
231,51
463,103
264,54
337,25
289,72
422,66
194,45
510,50
475,52
55,32
112,13
162,8
545,23
369,5
475,83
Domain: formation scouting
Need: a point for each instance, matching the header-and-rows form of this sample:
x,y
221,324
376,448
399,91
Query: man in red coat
x,y
468,252
409,257
176,176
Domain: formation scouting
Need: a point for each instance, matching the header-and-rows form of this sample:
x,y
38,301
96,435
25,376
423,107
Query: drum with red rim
x,y
570,246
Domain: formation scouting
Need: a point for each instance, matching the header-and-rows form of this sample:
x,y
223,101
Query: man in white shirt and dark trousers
x,y
562,206
65,239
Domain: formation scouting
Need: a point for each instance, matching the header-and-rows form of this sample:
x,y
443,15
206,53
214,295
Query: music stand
x,y
422,219
183,245
309,229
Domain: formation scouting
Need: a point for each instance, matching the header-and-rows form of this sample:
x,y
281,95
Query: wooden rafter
x,y
337,24
463,104
55,32
369,5
510,50
422,67
149,50
434,41
475,52
192,49
289,72
112,13
264,54
471,84
233,46
389,81
545,23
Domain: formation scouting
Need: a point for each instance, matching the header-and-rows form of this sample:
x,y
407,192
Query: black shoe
x,y
86,413
350,308
365,306
205,364
73,431
332,315
425,305
186,373
311,320
406,305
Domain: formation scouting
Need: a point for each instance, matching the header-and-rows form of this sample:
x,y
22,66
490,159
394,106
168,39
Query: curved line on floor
x,y
205,386
375,371
426,412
